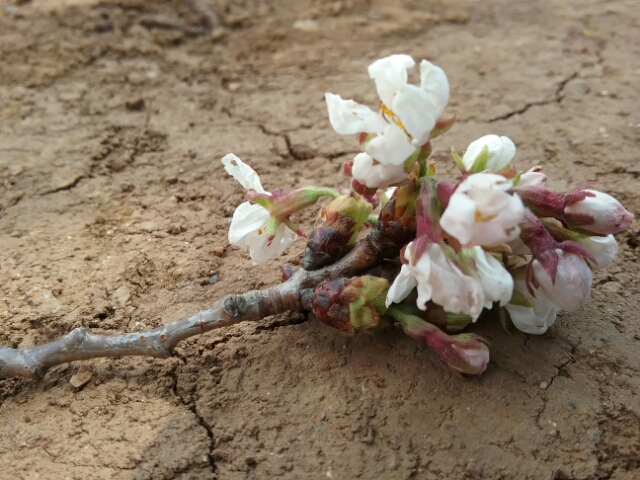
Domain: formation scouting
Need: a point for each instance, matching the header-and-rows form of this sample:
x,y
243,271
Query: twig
x,y
293,294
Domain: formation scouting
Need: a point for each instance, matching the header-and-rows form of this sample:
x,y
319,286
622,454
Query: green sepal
x,y
480,162
458,160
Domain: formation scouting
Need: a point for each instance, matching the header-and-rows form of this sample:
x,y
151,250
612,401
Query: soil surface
x,y
114,210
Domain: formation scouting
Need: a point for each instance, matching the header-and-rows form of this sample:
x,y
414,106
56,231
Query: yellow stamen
x,y
260,231
389,115
481,218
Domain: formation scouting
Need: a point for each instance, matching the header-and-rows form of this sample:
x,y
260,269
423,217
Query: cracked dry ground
x,y
113,205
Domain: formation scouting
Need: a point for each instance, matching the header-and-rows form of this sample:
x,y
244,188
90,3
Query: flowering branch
x,y
295,294
495,238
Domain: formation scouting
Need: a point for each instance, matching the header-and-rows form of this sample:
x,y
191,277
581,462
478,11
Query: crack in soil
x,y
192,407
73,184
557,98
190,404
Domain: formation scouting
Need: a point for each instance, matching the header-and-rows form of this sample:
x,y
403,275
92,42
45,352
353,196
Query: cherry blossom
x,y
407,113
252,225
482,211
437,279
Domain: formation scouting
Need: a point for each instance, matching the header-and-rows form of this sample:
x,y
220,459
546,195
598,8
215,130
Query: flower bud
x,y
602,249
337,226
490,152
529,314
398,215
464,353
596,212
559,270
582,209
531,178
570,286
351,305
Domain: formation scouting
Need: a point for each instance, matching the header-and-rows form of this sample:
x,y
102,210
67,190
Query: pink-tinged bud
x,y
596,212
571,286
351,305
532,178
559,270
602,248
587,210
335,229
464,353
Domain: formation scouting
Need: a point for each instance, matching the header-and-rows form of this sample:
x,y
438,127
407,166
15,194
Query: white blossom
x,y
249,228
572,284
481,211
534,319
437,279
501,151
252,225
374,174
407,112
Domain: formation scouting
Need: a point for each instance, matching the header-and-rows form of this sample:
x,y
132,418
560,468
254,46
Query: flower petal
x,y
604,249
261,251
391,147
243,173
348,117
416,112
247,220
535,319
497,283
401,286
390,74
434,82
376,175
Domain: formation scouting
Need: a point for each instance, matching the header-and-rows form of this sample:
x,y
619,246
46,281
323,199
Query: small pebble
x,y
214,278
218,251
135,105
80,379
306,25
544,385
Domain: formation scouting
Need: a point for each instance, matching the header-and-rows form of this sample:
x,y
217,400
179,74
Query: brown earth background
x,y
114,209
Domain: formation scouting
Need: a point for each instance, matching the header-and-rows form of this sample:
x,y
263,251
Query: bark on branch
x,y
294,294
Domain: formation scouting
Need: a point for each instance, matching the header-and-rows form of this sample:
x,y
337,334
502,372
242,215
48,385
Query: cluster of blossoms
x,y
495,239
